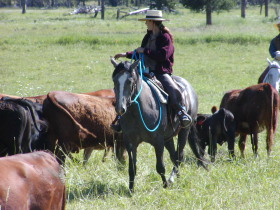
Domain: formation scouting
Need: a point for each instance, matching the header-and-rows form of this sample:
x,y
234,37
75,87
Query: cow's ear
x,y
214,109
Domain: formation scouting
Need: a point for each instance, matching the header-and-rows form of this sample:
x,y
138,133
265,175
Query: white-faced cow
x,y
255,109
32,181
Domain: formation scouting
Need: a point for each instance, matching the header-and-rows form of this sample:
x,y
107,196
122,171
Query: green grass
x,y
46,50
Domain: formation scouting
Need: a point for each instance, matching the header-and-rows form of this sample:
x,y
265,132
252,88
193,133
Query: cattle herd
x,y
38,132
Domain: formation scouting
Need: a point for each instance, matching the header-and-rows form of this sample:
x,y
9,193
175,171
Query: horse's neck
x,y
144,98
144,89
145,109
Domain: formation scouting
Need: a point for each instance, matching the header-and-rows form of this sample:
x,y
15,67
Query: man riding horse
x,y
274,51
158,50
275,43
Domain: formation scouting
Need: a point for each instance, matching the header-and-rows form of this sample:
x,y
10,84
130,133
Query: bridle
x,y
129,102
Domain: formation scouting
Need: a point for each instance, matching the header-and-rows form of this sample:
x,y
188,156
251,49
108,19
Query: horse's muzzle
x,y
120,110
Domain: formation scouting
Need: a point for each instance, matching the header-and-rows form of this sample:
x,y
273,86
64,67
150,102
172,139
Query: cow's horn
x,y
114,62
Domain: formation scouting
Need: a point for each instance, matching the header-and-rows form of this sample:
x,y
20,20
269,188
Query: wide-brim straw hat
x,y
155,15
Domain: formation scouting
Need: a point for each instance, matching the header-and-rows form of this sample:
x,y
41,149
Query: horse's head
x,y
125,77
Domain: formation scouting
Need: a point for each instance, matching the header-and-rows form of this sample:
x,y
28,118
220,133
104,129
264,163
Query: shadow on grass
x,y
97,189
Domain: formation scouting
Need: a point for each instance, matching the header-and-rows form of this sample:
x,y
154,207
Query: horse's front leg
x,y
131,150
159,148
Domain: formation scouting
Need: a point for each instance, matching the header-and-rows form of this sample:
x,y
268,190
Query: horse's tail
x,y
195,145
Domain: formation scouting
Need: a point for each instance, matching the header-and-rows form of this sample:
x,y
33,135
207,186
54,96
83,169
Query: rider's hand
x,y
120,55
140,50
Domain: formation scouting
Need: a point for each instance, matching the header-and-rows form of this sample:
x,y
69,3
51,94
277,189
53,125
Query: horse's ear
x,y
114,62
269,62
134,65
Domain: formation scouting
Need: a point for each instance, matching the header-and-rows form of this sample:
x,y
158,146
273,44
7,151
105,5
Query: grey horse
x,y
145,119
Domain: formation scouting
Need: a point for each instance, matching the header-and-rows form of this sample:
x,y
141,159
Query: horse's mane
x,y
123,66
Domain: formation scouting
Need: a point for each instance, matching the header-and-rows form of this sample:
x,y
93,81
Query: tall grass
x,y
46,50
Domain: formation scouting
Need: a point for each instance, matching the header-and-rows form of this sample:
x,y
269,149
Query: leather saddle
x,y
158,89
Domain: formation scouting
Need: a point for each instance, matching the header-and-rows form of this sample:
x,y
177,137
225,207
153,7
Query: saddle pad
x,y
162,95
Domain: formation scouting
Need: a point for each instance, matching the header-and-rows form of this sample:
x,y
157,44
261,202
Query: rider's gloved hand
x,y
277,55
120,55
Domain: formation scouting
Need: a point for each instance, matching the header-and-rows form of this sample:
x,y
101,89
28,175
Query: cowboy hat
x,y
155,15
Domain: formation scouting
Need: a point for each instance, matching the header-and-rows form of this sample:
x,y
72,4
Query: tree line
x,y
206,6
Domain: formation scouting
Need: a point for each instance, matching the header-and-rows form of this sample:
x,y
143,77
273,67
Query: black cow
x,y
22,126
216,128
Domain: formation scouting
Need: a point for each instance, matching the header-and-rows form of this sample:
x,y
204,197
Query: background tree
x,y
102,9
209,6
23,5
169,4
275,5
266,8
243,8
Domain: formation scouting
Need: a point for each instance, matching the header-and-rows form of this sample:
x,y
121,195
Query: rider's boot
x,y
184,117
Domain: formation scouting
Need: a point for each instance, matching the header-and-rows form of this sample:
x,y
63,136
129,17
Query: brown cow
x,y
84,119
32,181
107,93
255,108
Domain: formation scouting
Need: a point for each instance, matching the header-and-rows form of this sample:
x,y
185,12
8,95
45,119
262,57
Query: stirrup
x,y
185,118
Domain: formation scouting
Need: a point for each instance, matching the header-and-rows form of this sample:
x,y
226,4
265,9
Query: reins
x,y
141,69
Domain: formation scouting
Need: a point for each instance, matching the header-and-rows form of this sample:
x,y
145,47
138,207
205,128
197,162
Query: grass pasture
x,y
46,50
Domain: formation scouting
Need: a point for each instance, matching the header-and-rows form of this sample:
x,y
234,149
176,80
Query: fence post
x,y
118,14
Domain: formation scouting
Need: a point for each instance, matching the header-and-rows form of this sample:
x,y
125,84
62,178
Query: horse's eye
x,y
130,80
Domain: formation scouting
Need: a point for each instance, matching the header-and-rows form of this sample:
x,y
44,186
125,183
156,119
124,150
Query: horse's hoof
x,y
165,184
230,160
171,180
